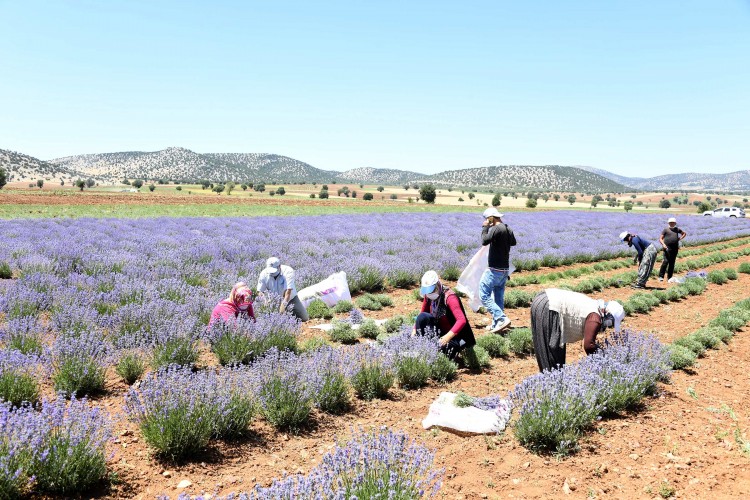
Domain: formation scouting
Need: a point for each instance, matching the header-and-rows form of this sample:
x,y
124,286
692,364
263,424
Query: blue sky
x,y
635,87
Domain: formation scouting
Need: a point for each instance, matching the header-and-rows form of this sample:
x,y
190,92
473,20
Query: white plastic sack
x,y
468,282
469,420
331,290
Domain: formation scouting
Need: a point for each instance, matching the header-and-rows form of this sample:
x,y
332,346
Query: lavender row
x,y
555,407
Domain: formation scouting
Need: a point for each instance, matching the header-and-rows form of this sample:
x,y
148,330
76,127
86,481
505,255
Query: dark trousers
x,y
667,264
546,333
427,324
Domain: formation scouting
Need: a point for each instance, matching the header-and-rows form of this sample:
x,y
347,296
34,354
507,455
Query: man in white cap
x,y
279,280
670,241
500,238
559,317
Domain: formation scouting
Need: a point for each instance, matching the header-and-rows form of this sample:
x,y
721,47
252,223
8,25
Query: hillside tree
x,y
704,207
628,206
367,196
151,187
218,188
3,178
80,184
571,198
497,200
665,204
281,191
380,188
138,184
531,203
40,183
90,182
323,195
427,193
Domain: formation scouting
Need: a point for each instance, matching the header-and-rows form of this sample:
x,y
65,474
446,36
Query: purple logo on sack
x,y
327,291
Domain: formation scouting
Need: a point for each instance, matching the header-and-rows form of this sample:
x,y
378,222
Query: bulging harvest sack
x,y
468,420
331,290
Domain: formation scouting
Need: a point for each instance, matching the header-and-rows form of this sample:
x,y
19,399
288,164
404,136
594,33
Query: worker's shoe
x,y
637,286
659,279
501,325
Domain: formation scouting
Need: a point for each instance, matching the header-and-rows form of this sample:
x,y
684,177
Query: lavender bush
x,y
18,378
58,449
555,407
80,363
179,411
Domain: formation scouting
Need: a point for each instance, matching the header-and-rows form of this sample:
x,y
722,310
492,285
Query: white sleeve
x,y
289,276
262,283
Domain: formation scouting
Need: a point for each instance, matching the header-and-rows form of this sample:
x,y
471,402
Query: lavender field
x,y
80,297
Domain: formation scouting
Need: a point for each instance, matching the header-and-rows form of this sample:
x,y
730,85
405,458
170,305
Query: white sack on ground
x,y
331,290
469,420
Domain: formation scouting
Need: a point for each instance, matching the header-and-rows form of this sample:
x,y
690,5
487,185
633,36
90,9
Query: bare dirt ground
x,y
684,442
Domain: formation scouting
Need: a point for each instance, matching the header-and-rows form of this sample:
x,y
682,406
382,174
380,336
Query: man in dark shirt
x,y
670,241
500,238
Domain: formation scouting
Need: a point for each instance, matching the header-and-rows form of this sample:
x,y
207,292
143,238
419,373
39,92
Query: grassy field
x,y
19,201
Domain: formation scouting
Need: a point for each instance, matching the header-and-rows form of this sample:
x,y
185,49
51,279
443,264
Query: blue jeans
x,y
492,286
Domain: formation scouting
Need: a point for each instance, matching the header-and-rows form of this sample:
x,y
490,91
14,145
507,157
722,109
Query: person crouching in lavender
x,y
239,303
443,312
559,317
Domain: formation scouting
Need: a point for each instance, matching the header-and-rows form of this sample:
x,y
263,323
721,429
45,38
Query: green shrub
x,y
233,347
393,325
744,268
720,332
343,332
692,344
518,298
130,367
369,329
384,299
717,277
520,341
730,273
5,272
370,279
662,296
496,346
673,294
732,319
176,351
286,406
333,396
402,279
343,306
318,309
681,357
29,342
443,369
412,372
372,381
451,272
707,338
313,344
17,388
78,374
383,337
367,303
476,358
695,286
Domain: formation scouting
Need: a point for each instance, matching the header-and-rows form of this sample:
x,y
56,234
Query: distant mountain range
x,y
180,164
733,181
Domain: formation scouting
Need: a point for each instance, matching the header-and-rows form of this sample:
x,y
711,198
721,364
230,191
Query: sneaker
x,y
637,286
501,325
659,279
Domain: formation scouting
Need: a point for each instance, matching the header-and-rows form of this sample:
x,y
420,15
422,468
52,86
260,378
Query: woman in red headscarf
x,y
238,303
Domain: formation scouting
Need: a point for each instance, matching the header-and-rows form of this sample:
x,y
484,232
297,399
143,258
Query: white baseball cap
x,y
671,219
429,282
273,264
624,235
492,212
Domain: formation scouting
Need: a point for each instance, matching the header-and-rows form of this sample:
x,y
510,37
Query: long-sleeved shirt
x,y
640,245
454,318
227,311
500,238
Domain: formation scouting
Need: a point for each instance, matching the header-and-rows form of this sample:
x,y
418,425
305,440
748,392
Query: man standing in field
x,y
500,238
670,241
279,279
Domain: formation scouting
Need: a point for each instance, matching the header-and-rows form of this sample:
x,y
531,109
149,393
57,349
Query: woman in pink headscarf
x,y
238,303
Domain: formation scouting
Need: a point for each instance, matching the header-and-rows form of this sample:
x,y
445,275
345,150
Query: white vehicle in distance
x,y
725,212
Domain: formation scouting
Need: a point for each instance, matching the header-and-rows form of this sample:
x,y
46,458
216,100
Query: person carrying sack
x,y
500,238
